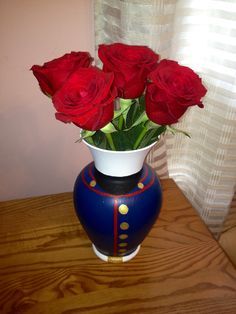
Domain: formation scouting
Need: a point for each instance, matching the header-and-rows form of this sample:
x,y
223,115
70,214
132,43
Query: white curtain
x,y
205,166
200,34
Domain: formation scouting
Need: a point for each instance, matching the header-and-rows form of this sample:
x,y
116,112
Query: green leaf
x,y
152,125
86,133
174,131
125,103
117,113
115,122
125,139
89,140
121,122
98,140
141,100
124,107
109,128
121,141
141,119
135,111
151,136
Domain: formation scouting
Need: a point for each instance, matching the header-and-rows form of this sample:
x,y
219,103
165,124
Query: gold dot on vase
x,y
140,185
92,183
123,209
123,244
122,250
124,226
123,236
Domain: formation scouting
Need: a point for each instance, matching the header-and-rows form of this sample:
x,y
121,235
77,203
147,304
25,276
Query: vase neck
x,y
117,185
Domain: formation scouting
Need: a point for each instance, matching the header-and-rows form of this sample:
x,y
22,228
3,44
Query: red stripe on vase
x,y
90,172
94,189
115,226
145,174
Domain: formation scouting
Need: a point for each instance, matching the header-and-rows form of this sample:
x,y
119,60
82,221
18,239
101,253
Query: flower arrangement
x,y
128,103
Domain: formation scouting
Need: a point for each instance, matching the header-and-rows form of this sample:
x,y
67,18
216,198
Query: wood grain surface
x,y
47,265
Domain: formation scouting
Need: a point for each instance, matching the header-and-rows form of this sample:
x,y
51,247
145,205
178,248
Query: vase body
x,y
117,212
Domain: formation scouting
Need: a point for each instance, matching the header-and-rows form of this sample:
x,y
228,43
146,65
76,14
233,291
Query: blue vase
x,y
117,212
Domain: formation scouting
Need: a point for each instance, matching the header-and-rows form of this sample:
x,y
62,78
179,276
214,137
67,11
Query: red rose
x,y
86,99
130,64
172,90
54,73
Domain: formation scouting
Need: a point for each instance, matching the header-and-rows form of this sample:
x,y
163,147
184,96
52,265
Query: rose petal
x,y
86,99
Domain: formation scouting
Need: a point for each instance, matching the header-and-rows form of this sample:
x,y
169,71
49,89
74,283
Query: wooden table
x,y
47,264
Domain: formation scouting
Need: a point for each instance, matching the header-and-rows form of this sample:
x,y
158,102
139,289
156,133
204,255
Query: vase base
x,y
115,259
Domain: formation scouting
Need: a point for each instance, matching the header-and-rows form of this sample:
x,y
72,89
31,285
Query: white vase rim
x,y
120,151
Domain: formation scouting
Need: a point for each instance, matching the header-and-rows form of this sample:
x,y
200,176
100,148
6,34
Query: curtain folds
x,y
205,166
201,35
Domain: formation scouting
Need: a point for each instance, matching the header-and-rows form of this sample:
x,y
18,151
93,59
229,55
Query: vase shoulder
x,y
117,185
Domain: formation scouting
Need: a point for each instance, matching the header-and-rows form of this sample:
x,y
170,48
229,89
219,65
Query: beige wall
x,y
37,153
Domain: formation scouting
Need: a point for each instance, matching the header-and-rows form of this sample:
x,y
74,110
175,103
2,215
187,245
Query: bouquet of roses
x,y
125,105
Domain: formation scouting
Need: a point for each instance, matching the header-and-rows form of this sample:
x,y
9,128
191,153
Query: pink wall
x,y
37,153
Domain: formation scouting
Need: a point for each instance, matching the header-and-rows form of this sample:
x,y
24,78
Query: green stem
x,y
120,123
110,141
140,137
